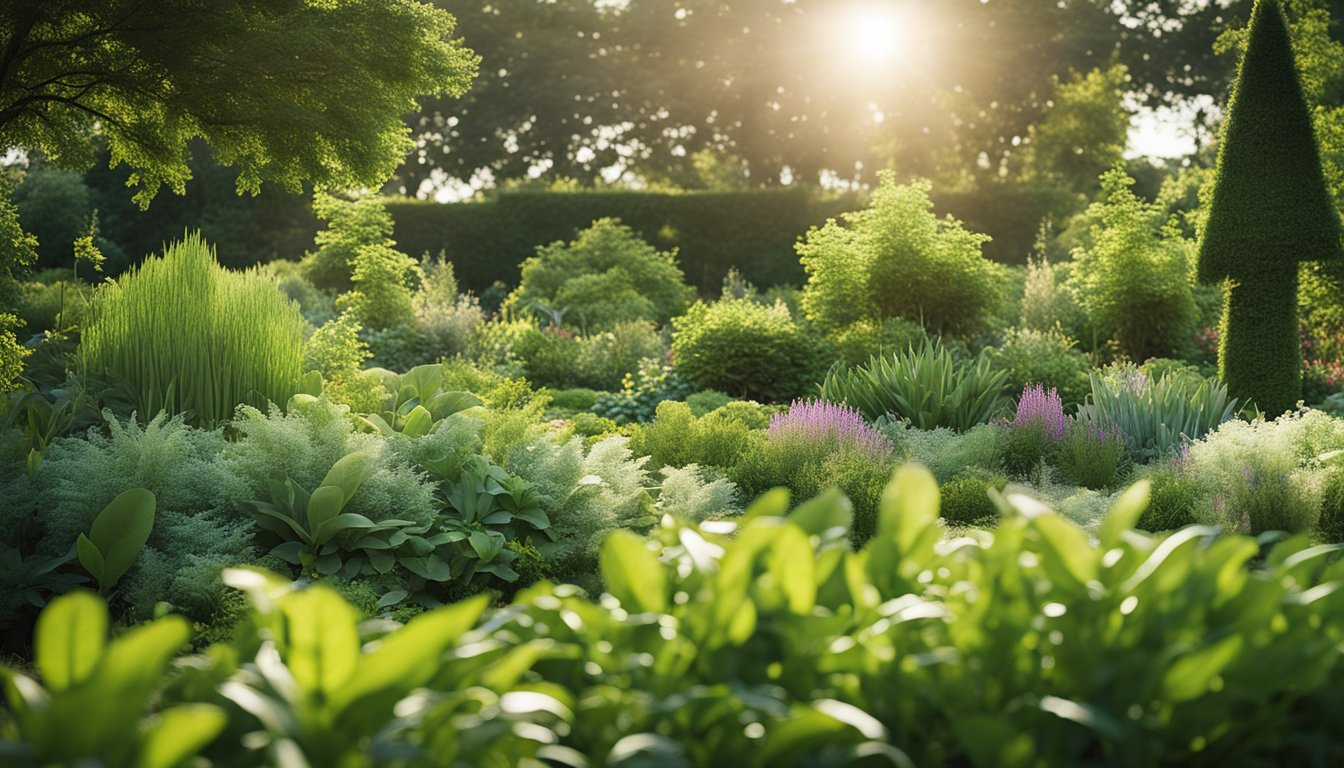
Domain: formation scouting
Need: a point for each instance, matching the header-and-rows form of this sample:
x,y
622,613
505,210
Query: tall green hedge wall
x,y
713,231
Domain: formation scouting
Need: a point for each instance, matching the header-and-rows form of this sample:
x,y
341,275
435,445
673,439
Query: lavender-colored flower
x,y
833,423
1037,407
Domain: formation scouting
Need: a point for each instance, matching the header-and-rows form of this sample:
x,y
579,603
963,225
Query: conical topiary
x,y
1271,210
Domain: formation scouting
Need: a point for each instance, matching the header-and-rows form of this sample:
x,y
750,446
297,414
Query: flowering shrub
x,y
1037,406
834,424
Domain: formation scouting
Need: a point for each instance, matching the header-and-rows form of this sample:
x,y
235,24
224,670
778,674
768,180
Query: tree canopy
x,y
286,90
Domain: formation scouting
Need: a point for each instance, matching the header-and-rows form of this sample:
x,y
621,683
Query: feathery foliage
x,y
183,334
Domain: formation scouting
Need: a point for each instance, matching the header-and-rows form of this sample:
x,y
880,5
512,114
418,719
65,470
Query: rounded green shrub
x,y
896,258
1042,357
1330,526
965,500
185,335
606,276
746,350
1173,500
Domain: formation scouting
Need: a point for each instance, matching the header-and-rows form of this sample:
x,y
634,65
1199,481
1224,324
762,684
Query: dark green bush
x,y
1025,449
965,500
606,276
1090,457
1271,209
746,350
549,356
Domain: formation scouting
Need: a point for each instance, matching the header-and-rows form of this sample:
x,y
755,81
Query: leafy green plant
x,y
924,385
745,349
966,499
1042,357
416,402
653,382
91,706
316,535
1155,416
222,339
896,258
606,276
119,533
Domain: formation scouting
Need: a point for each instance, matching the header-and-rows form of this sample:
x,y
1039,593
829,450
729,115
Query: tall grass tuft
x,y
185,335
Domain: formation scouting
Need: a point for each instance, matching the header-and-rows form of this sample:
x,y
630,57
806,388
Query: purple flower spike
x,y
833,423
1037,407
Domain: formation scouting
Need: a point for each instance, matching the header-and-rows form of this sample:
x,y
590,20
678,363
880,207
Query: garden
x,y
451,408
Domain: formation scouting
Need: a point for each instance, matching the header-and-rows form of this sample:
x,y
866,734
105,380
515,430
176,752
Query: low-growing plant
x,y
966,499
745,349
415,402
1174,499
224,338
1091,457
653,382
760,641
118,534
676,437
925,386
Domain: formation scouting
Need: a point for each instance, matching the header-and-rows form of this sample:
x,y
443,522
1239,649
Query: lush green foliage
x,y
745,349
896,258
924,385
1091,457
183,334
149,78
813,648
118,534
1155,415
382,280
1270,210
1133,276
1042,357
607,275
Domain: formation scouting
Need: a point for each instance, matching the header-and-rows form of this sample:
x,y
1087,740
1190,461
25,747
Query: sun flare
x,y
876,34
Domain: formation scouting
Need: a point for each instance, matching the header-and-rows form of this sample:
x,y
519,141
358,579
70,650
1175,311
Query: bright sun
x,y
876,33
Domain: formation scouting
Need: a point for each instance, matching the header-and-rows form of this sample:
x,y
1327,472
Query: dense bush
x,y
183,334
1003,645
745,349
1043,357
1175,500
199,524
1134,275
925,385
351,225
896,258
607,275
966,500
1091,457
677,437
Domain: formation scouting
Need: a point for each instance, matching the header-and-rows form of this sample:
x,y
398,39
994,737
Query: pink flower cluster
x,y
1037,407
821,422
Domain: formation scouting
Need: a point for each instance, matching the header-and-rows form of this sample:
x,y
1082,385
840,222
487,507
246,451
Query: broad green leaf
x,y
1068,547
120,532
321,642
179,733
325,504
793,565
418,422
909,509
633,573
263,588
1124,513
1085,715
70,638
408,657
91,559
772,503
423,380
446,404
1192,674
832,509
350,472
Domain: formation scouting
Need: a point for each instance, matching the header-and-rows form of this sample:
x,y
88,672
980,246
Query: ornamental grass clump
x,y
185,335
832,424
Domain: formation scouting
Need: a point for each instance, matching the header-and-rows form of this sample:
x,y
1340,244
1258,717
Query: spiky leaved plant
x,y
185,335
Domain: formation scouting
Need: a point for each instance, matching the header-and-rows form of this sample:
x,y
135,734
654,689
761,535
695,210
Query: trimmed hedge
x,y
754,231
1271,209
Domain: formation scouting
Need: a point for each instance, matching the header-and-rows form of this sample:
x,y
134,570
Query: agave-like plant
x,y
925,386
1156,415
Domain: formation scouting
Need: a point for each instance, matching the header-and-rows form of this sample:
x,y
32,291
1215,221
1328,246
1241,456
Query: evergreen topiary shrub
x,y
1271,210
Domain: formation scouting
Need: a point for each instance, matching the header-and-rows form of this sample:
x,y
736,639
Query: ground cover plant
x,y
989,483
